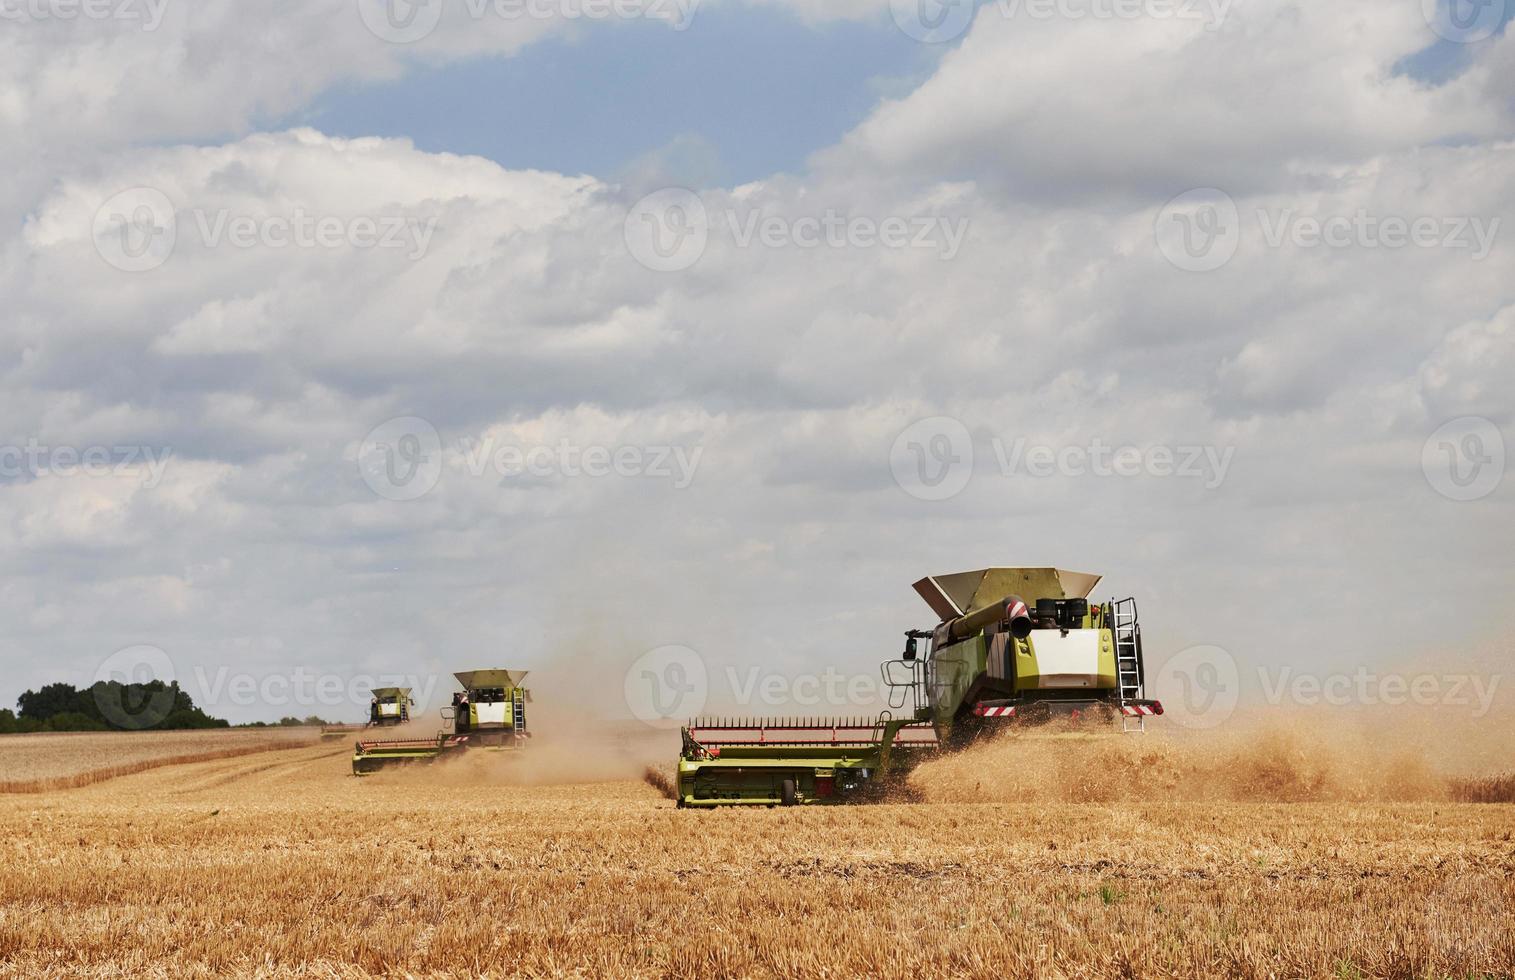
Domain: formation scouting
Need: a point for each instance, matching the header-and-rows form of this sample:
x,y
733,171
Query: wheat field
x,y
66,760
282,864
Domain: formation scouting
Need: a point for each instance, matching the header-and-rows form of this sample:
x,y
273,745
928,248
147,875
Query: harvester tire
x,y
788,793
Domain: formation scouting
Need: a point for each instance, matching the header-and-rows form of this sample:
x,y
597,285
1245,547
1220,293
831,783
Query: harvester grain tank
x,y
1014,646
489,714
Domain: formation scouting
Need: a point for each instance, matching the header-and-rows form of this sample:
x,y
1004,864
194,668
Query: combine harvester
x,y
1015,646
390,706
488,714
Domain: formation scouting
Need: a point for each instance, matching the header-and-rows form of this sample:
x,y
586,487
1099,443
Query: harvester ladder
x,y
1128,661
518,711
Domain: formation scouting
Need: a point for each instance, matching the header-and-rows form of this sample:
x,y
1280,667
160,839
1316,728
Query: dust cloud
x,y
577,719
1291,756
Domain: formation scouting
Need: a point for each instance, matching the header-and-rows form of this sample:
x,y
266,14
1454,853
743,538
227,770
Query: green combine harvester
x,y
390,706
489,714
1014,647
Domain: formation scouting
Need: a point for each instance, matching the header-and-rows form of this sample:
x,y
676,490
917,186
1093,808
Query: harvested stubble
x,y
286,865
68,760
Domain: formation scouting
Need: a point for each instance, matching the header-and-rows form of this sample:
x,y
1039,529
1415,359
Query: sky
x,y
659,353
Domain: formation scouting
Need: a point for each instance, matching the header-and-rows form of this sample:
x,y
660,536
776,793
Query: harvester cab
x,y
1013,646
488,714
390,706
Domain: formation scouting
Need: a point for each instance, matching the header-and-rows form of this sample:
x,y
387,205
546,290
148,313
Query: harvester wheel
x,y
787,793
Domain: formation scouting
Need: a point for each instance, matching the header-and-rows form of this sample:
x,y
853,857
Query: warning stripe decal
x,y
1132,710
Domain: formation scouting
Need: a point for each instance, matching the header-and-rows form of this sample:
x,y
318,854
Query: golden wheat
x,y
68,760
283,864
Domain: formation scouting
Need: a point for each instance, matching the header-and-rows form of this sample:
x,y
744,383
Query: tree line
x,y
106,706
112,706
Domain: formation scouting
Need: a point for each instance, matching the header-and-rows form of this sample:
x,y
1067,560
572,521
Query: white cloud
x,y
1086,108
526,322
